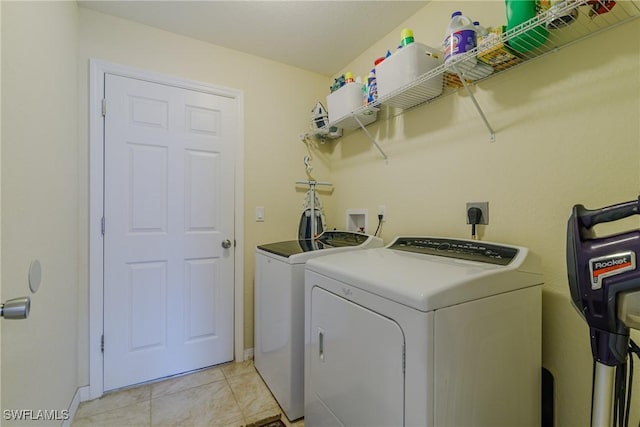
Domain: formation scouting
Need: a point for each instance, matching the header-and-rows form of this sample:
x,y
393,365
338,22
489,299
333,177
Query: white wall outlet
x,y
483,206
382,210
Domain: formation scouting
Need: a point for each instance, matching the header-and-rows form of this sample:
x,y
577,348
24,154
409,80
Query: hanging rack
x,y
312,188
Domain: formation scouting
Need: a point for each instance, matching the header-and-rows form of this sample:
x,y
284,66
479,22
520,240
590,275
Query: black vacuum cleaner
x,y
605,289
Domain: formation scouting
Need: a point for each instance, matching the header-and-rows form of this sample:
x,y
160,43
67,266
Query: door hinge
x,y
104,107
102,225
102,344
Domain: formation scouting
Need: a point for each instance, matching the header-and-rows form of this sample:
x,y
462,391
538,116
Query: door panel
x,y
200,297
356,365
168,285
148,295
200,200
148,188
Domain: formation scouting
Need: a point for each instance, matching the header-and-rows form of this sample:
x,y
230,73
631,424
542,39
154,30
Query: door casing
x,y
97,70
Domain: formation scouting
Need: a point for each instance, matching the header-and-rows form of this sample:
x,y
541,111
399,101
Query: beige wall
x,y
567,132
40,202
278,100
1,194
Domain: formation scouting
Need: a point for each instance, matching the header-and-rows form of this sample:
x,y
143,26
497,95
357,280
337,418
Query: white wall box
x,y
357,220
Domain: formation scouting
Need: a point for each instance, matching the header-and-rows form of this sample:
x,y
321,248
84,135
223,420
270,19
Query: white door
x,y
168,210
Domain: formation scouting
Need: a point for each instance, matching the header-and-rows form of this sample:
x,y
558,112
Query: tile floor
x,y
231,395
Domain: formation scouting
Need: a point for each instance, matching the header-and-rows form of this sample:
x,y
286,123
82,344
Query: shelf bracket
x,y
371,138
492,134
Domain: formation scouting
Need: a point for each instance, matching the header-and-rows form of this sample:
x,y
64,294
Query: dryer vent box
x,y
357,220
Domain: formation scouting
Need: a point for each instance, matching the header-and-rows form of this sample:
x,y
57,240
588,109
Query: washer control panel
x,y
338,239
469,250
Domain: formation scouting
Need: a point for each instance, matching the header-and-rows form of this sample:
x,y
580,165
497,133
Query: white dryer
x,y
279,310
424,332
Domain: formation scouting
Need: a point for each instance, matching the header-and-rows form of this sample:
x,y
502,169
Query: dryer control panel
x,y
469,250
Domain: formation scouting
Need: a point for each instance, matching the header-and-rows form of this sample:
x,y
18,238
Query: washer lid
x,y
327,240
424,281
292,247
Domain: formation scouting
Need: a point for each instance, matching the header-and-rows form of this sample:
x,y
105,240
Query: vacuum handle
x,y
602,400
591,217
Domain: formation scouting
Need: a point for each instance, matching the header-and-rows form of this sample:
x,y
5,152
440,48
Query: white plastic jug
x,y
480,70
460,39
481,33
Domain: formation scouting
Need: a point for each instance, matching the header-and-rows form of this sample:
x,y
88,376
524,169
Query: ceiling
x,y
318,36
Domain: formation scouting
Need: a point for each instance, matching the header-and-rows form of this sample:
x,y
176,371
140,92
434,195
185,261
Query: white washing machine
x,y
424,332
279,310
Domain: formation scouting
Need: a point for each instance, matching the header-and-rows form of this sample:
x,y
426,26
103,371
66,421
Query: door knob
x,y
17,308
226,243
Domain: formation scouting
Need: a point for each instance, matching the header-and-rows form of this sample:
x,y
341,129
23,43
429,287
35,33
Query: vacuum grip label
x,y
610,265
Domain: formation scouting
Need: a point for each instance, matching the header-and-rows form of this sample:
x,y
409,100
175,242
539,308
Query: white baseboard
x,y
82,394
248,354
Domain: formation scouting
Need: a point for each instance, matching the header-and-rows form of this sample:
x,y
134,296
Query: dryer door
x,y
356,361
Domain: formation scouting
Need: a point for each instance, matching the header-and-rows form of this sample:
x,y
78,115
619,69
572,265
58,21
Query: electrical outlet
x,y
382,211
483,206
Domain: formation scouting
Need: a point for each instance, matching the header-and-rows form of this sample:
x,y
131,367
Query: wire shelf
x,y
562,25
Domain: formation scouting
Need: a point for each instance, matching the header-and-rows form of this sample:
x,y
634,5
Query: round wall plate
x,y
35,275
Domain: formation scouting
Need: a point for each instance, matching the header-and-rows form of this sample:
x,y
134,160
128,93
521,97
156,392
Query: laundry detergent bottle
x,y
372,86
519,12
481,33
460,39
480,70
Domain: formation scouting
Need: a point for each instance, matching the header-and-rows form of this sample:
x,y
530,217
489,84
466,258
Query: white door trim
x,y
97,71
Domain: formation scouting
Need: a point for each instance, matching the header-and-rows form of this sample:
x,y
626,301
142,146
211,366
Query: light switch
x,y
259,213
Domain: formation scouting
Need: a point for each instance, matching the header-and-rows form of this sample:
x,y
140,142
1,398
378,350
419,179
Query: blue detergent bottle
x,y
460,39
372,86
